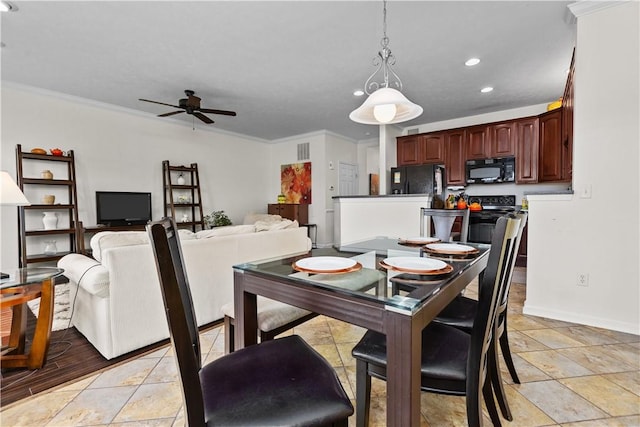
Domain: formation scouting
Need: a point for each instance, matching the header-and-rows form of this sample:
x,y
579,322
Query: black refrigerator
x,y
420,179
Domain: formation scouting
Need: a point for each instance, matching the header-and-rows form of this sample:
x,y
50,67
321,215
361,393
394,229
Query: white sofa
x,y
119,307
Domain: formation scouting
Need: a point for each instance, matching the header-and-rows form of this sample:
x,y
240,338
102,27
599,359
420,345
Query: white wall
x,y
325,148
123,151
599,235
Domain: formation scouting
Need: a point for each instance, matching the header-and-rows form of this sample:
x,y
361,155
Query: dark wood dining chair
x,y
282,382
462,311
453,361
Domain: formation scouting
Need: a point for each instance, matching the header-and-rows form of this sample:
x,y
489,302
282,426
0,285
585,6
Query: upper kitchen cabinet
x,y
455,158
567,126
421,149
551,152
488,141
502,137
433,148
477,142
409,150
527,150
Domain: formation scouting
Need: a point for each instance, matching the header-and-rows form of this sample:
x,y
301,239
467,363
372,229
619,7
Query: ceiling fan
x,y
191,105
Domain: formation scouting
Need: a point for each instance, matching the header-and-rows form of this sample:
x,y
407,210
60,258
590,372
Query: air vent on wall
x,y
303,151
413,131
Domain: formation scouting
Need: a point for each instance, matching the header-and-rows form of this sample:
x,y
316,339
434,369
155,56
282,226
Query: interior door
x,y
348,179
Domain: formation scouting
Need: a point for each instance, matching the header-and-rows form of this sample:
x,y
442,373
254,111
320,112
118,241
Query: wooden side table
x,y
28,284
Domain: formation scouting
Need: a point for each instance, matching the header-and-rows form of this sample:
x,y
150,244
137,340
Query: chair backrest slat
x,y
183,327
498,271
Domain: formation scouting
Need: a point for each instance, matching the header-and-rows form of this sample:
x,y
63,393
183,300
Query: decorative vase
x,y
181,180
50,247
50,220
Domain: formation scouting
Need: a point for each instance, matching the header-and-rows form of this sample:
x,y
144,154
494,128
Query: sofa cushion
x,y
187,235
226,231
276,225
271,314
112,239
252,218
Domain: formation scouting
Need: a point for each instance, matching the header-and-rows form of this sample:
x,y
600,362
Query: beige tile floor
x,y
572,376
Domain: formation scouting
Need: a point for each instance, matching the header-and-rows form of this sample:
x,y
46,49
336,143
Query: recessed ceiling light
x,y
486,89
358,92
471,62
5,6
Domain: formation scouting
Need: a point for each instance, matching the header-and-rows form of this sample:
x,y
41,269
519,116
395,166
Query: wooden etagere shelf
x,y
68,227
183,199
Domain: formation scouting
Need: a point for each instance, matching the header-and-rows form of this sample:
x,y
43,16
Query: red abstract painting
x,y
295,182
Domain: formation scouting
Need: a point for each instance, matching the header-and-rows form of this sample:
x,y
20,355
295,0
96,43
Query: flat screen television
x,y
115,208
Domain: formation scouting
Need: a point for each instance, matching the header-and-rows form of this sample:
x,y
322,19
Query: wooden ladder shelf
x,y
182,200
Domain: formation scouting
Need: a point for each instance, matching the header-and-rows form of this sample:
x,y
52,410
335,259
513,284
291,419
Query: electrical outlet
x,y
582,279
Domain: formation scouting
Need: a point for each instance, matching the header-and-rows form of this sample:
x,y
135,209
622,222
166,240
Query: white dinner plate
x,y
451,248
421,240
325,264
418,264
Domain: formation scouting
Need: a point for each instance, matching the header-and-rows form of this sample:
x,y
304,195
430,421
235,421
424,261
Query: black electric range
x,y
482,223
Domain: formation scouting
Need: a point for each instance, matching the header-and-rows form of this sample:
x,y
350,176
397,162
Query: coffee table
x,y
400,316
25,285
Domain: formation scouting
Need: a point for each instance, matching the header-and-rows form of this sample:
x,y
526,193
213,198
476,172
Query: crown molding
x,y
116,108
586,7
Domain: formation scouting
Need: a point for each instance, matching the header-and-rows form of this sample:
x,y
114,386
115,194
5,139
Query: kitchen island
x,y
363,217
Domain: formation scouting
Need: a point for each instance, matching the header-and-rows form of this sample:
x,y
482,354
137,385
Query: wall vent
x,y
413,131
303,151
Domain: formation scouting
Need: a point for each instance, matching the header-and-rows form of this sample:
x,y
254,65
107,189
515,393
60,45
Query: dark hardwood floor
x,y
70,357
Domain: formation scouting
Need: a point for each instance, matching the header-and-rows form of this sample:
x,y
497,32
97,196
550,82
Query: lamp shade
x,y
384,99
10,194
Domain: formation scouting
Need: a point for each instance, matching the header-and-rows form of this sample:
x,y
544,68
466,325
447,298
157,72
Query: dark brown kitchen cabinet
x,y
488,141
292,211
567,126
421,149
502,137
455,159
550,160
527,150
477,142
433,148
409,150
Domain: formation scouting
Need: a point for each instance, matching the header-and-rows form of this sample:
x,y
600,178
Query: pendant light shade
x,y
385,106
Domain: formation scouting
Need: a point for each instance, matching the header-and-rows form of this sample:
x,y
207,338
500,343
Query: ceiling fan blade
x,y
204,118
156,102
171,113
223,112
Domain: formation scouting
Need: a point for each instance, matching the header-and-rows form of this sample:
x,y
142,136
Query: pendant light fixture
x,y
385,104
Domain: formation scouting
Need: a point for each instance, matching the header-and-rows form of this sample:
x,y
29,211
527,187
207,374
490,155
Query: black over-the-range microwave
x,y
491,171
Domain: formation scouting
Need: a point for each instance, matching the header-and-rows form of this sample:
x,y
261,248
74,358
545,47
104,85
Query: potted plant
x,y
217,219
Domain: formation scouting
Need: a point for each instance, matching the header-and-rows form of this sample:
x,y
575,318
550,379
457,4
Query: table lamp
x,y
10,195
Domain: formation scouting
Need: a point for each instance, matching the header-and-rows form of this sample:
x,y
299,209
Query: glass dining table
x,y
362,295
25,285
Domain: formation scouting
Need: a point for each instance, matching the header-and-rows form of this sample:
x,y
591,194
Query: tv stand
x,y
123,227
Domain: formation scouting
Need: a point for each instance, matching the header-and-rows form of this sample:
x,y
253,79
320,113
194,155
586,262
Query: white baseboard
x,y
581,319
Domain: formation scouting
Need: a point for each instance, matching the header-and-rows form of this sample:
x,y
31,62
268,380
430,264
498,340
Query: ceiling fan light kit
x,y
385,105
191,105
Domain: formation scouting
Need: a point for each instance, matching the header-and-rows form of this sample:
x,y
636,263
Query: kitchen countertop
x,y
546,193
367,196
